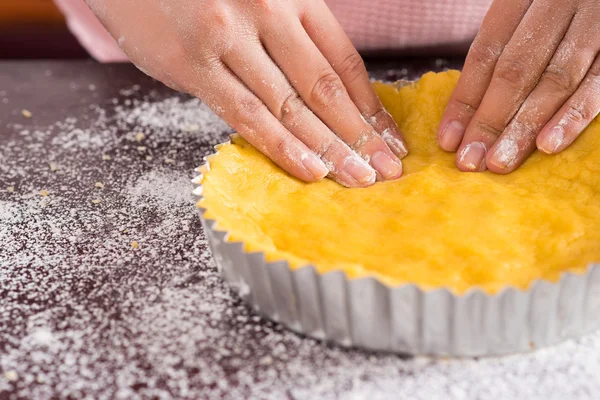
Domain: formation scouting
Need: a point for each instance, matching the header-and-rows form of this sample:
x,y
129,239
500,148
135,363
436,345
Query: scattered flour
x,y
160,188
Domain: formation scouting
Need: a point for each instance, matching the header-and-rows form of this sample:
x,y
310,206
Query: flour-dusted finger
x,y
249,116
253,66
324,93
572,119
515,76
499,25
334,44
560,80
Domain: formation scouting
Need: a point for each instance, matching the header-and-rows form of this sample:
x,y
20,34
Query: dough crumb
x,y
266,360
139,136
44,193
135,245
141,149
53,167
105,157
96,201
169,161
11,376
10,189
99,185
26,113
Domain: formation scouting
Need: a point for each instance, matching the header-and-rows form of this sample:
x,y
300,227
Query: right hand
x,y
281,73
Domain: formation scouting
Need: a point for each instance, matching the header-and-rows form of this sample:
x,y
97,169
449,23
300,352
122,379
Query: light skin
x,y
282,73
286,77
531,82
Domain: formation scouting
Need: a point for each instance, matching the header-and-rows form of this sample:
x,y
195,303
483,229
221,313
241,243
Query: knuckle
x,y
559,78
525,129
588,8
326,89
290,108
247,109
578,113
220,18
485,53
266,7
592,81
365,138
594,72
328,149
352,67
465,106
378,116
377,113
513,72
281,145
487,129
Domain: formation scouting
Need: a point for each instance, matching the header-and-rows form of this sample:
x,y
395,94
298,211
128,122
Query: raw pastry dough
x,y
436,226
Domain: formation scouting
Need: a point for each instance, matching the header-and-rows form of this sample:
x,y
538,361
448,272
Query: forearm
x,y
89,31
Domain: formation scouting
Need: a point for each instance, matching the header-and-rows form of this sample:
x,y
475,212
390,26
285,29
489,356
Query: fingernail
x,y
472,157
452,135
552,141
396,145
386,166
505,154
359,170
314,165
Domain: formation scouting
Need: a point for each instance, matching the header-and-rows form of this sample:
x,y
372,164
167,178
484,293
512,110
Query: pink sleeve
x,y
409,24
371,24
90,32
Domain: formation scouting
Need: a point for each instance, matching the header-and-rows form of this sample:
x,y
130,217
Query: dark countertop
x,y
102,166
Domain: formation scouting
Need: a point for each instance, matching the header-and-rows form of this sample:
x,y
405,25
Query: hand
x,y
280,72
531,80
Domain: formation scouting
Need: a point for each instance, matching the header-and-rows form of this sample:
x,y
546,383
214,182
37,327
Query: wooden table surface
x,y
107,288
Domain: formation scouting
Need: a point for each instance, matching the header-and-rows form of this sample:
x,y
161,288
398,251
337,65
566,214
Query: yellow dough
x,y
436,226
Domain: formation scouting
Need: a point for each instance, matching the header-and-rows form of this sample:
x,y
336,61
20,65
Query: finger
x,y
241,109
329,37
560,80
324,93
254,67
499,25
572,119
515,76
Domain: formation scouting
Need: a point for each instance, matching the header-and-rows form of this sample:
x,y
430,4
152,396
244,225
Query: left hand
x,y
531,80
